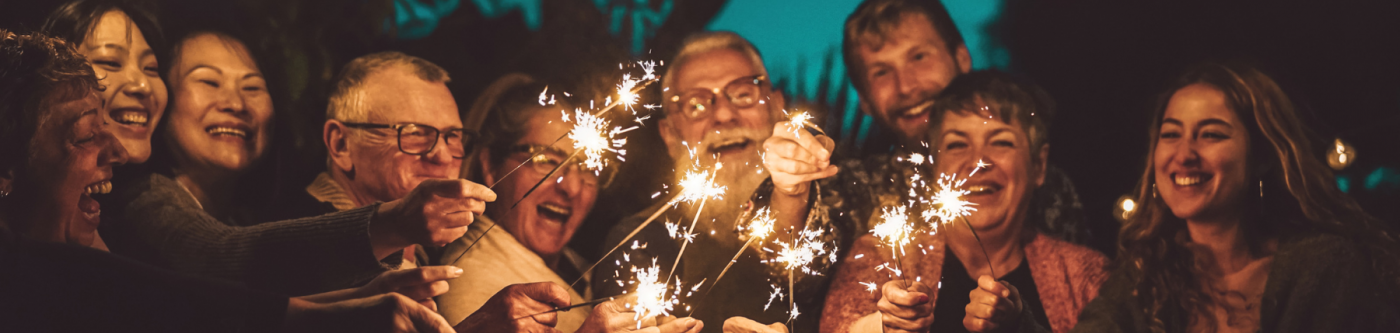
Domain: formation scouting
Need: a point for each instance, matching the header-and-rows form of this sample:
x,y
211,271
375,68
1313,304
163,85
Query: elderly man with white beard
x,y
719,107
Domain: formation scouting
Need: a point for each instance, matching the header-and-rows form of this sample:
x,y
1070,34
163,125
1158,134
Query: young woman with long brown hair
x,y
1240,226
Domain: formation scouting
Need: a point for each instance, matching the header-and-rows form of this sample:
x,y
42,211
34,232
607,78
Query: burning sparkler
x,y
895,231
805,249
697,184
654,297
759,227
590,134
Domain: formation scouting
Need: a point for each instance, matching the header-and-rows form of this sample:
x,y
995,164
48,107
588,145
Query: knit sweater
x,y
158,222
1317,283
498,261
51,287
1066,275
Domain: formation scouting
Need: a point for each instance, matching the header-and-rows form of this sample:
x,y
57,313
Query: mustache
x,y
723,135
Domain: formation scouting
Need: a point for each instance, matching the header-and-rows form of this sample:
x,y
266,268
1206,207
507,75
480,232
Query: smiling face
x,y
135,96
1001,188
902,75
728,135
73,156
1199,161
394,95
222,115
546,220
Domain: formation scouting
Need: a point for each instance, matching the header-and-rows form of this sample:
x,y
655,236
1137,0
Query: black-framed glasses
x,y
743,92
419,139
544,159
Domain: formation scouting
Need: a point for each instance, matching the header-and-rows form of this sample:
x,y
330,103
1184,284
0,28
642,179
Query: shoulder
x,y
1072,254
1317,253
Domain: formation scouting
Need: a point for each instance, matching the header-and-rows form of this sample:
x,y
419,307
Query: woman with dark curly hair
x,y
1240,226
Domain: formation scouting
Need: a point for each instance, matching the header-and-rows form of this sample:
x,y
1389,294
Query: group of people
x,y
106,225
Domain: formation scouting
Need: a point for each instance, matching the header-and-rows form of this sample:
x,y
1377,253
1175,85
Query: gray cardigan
x,y
157,221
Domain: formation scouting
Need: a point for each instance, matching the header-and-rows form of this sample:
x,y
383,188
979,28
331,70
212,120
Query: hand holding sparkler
x,y
994,305
435,213
746,325
904,307
795,160
616,316
519,308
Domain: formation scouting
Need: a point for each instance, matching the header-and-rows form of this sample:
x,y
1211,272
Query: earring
x,y
1261,188
4,193
1154,190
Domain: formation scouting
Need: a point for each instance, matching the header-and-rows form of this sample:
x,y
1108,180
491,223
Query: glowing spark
x,y
592,137
869,286
698,185
799,121
777,293
654,297
947,200
916,158
894,227
762,224
625,94
542,96
980,166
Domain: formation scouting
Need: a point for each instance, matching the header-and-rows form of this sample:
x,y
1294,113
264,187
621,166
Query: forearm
x,y
382,236
790,210
294,257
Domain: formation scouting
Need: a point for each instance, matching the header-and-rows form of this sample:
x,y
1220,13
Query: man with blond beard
x,y
718,107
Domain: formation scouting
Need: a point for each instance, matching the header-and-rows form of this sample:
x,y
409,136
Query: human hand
x,y
435,213
518,308
905,308
794,160
419,284
746,325
995,306
390,312
616,317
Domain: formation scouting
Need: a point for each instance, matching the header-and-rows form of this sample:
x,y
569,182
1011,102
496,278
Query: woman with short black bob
x,y
1240,226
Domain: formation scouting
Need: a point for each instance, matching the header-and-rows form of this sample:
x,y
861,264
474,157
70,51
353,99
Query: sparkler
x,y
707,191
696,185
652,294
894,230
948,205
590,136
802,250
759,227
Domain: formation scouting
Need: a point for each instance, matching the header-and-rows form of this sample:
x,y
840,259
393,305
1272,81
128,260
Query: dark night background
x,y
1103,61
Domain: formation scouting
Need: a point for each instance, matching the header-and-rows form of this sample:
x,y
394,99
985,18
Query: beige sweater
x,y
496,262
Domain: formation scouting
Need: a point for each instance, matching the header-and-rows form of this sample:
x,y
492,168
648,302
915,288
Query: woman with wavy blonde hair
x,y
1240,226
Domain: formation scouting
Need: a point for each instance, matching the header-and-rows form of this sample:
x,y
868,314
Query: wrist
x,y
383,234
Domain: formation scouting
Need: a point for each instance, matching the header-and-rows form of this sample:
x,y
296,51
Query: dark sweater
x,y
50,287
158,222
1318,283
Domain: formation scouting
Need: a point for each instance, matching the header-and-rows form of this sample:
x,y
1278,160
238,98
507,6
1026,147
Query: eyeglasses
x,y
545,158
743,92
418,139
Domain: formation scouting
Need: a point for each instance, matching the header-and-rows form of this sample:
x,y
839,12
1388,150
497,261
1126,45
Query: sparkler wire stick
x,y
571,307
546,178
629,237
693,222
512,207
990,265
792,292
726,267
